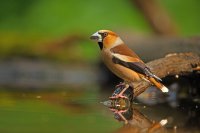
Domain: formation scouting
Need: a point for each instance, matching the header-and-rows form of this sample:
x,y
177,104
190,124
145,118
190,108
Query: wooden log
x,y
171,64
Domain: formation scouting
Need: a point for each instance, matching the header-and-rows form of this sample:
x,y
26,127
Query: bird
x,y
124,62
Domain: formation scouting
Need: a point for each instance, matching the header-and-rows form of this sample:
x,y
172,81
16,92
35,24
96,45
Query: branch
x,y
172,64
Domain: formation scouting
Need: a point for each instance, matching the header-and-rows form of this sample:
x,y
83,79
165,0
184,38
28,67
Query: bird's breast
x,y
122,72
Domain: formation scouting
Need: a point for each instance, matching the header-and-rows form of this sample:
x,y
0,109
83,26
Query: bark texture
x,y
171,64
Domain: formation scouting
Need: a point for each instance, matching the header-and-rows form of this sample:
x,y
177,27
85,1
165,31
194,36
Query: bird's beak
x,y
96,37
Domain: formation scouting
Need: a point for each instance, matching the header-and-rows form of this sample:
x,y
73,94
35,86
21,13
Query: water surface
x,y
72,111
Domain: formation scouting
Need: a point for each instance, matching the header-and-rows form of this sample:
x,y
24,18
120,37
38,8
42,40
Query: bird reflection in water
x,y
134,121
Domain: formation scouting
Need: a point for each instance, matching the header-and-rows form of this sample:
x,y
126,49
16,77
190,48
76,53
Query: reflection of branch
x,y
156,16
134,120
140,123
173,64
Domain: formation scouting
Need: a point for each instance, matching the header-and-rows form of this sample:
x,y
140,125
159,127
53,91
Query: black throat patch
x,y
100,45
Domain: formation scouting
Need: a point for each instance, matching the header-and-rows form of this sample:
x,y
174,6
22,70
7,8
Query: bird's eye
x,y
105,34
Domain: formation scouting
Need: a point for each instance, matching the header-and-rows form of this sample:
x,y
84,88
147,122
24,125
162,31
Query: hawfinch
x,y
123,62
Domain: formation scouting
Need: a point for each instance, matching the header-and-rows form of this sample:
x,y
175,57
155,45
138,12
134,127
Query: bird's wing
x,y
124,50
134,64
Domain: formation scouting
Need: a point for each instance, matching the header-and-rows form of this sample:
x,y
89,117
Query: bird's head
x,y
106,39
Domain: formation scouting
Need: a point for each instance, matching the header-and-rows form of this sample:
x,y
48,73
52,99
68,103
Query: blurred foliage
x,y
185,13
27,25
62,17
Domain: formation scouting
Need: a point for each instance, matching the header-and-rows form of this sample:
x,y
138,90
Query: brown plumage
x,y
122,61
124,50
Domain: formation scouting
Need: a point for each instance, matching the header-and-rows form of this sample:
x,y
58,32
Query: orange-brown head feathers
x,y
106,38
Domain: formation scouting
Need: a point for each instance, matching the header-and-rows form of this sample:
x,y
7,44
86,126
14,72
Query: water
x,y
61,111
72,111
162,118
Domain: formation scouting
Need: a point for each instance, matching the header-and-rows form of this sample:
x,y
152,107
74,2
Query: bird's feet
x,y
118,111
119,92
121,84
118,96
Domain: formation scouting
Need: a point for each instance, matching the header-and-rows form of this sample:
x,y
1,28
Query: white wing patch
x,y
125,58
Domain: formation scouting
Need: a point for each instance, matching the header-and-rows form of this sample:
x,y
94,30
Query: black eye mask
x,y
103,35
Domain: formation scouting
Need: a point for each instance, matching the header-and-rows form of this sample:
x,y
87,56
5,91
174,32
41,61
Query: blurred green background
x,y
27,25
38,34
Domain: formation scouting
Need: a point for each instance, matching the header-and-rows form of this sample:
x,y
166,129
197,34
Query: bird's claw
x,y
118,111
121,84
118,96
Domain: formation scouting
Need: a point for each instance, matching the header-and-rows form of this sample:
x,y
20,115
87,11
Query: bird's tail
x,y
158,85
